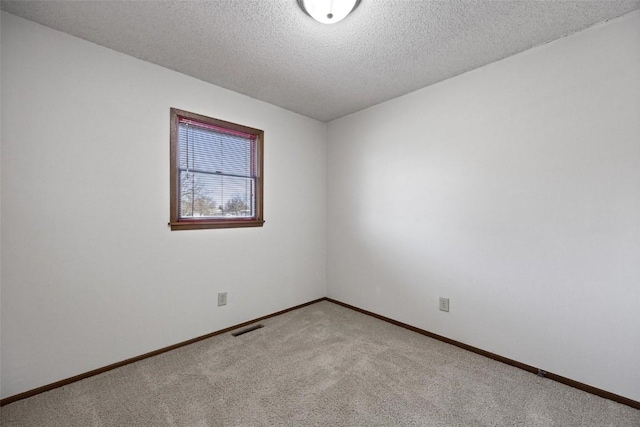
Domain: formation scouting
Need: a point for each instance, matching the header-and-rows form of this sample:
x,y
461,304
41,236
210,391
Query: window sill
x,y
219,223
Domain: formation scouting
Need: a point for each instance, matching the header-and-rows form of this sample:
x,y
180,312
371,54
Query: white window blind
x,y
217,171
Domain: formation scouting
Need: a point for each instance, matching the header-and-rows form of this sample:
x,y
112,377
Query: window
x,y
216,173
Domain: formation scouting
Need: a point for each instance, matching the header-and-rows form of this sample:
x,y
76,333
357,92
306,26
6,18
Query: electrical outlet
x,y
444,304
222,298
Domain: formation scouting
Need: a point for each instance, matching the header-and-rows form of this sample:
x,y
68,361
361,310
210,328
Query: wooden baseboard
x,y
79,377
581,386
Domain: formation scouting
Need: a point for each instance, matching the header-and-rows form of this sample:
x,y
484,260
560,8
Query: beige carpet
x,y
322,365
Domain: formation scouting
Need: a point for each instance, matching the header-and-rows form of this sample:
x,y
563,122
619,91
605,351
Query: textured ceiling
x,y
272,51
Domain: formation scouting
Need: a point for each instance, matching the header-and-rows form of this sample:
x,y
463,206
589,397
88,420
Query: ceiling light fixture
x,y
328,11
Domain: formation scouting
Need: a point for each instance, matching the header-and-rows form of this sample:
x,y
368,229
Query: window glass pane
x,y
207,195
215,152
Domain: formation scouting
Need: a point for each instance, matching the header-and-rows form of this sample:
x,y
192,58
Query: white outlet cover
x,y
222,299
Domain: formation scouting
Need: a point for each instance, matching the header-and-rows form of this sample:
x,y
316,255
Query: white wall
x,y
0,211
91,273
514,190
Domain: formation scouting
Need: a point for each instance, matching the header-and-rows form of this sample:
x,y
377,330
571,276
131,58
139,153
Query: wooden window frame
x,y
178,223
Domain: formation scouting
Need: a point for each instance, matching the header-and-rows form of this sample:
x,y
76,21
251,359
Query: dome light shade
x,y
328,11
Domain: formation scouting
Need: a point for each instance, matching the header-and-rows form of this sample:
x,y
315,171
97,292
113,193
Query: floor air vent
x,y
246,330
